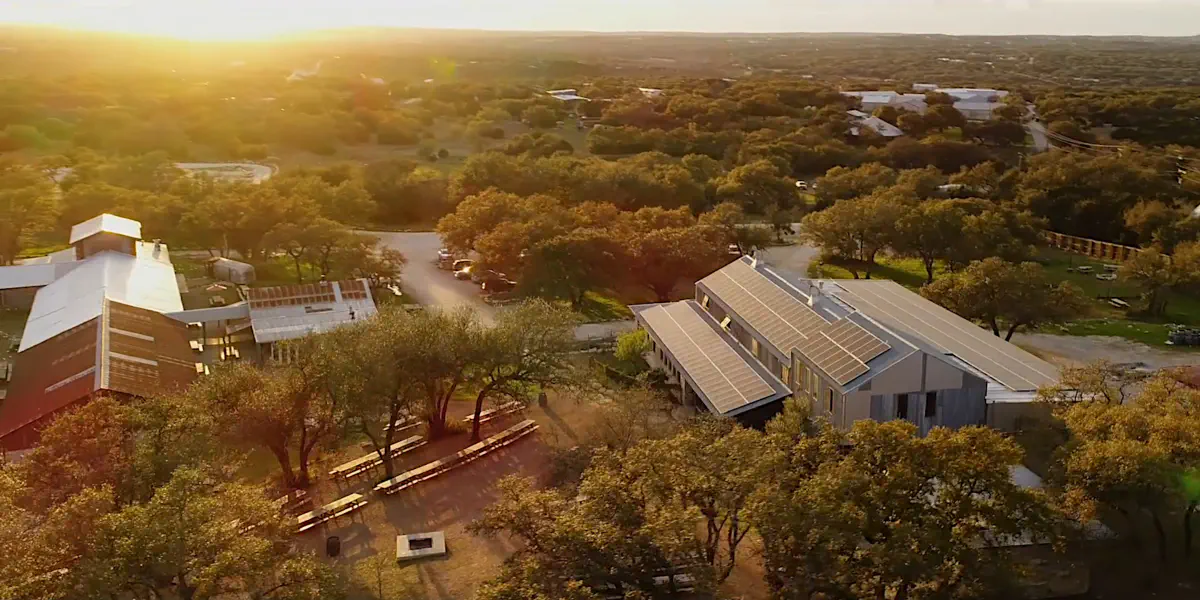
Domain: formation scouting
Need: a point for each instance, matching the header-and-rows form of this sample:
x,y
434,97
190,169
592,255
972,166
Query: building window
x,y
787,375
902,406
704,300
830,401
754,348
930,405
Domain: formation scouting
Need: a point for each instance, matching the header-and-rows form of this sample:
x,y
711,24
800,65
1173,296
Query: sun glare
x,y
210,20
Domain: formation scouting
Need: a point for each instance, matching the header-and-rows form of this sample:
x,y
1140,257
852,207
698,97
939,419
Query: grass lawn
x,y
909,272
599,307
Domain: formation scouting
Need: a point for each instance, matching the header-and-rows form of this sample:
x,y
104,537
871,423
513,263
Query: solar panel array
x,y
843,349
857,341
780,317
292,295
722,375
903,310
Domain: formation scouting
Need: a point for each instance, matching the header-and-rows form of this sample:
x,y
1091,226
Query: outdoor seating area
x,y
495,413
371,461
230,353
338,508
462,457
292,501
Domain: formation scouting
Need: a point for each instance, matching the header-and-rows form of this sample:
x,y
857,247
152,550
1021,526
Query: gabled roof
x,y
911,315
725,377
78,296
781,317
106,223
123,349
294,311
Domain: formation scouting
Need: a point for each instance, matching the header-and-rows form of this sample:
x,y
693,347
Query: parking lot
x,y
425,282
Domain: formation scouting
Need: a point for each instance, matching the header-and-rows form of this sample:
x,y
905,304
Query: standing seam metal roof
x,y
727,378
784,320
899,308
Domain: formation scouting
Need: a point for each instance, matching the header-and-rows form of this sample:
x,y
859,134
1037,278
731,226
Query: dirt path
x,y
1066,350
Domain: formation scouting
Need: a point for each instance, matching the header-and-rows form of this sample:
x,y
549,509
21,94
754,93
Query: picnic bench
x,y
338,508
196,345
1118,303
1106,276
202,369
363,464
230,352
292,501
462,457
495,413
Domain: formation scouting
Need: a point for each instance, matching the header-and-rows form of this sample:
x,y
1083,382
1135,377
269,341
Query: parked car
x,y
445,258
463,274
735,250
463,263
803,185
492,282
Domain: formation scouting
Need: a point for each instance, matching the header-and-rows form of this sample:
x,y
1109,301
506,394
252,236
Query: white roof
x,y
28,276
78,296
292,321
882,127
66,255
106,223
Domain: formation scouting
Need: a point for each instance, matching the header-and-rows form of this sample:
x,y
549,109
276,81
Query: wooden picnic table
x,y
461,457
340,507
372,460
196,345
491,413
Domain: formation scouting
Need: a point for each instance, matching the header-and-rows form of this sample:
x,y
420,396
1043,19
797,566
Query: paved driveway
x,y
428,284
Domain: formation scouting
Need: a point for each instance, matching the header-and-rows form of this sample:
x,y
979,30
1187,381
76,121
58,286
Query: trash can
x,y
333,546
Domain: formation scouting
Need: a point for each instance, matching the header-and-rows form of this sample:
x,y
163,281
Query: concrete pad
x,y
420,545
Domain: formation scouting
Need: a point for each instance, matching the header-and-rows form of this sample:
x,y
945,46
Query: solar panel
x,y
841,366
722,375
775,314
859,342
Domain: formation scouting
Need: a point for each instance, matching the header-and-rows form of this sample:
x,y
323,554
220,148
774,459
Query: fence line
x,y
1089,247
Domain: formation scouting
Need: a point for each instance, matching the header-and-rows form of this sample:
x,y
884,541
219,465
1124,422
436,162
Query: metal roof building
x,y
853,349
97,324
294,311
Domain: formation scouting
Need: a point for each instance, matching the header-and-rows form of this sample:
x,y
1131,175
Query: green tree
x,y
843,513
540,117
288,410
756,186
1003,294
856,230
27,207
1159,275
570,265
930,231
661,258
526,349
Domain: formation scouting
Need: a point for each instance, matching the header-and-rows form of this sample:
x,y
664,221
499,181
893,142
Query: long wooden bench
x,y
365,463
338,508
495,413
462,457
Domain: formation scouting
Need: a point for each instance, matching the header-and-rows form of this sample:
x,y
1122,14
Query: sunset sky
x,y
248,19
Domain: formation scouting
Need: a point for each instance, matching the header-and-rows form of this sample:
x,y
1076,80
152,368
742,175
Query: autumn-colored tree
x,y
1140,459
930,231
856,230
